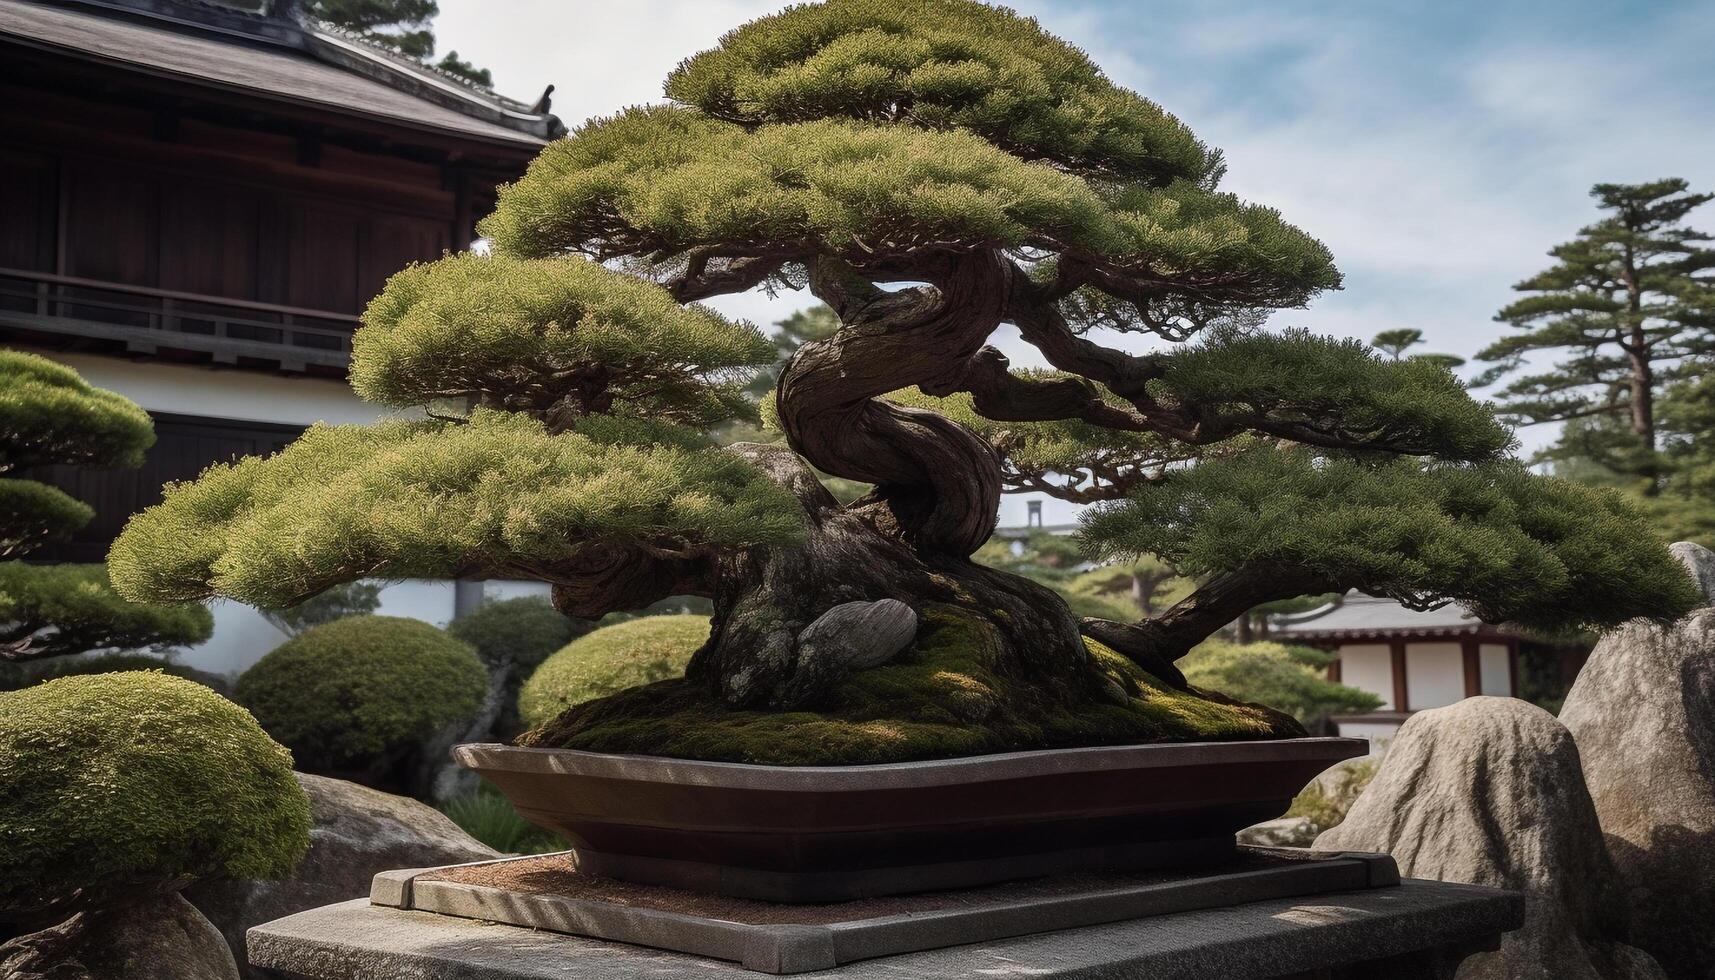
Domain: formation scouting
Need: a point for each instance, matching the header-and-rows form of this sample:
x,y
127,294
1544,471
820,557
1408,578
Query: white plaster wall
x,y
1368,667
496,591
1434,674
1496,669
224,393
1379,733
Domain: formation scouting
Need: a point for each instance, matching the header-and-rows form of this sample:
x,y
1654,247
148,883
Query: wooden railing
x,y
146,319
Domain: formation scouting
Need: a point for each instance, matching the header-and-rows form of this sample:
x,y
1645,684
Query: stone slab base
x,y
1420,930
549,892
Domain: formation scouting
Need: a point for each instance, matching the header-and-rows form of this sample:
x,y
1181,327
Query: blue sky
x,y
1438,148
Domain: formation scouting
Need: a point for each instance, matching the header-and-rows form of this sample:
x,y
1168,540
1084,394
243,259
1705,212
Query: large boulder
x,y
1643,714
1489,791
356,833
158,938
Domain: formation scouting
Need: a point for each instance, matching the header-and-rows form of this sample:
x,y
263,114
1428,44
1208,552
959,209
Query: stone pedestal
x,y
1419,930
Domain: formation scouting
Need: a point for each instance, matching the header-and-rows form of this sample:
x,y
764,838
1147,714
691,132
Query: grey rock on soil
x,y
160,938
356,833
1643,714
851,636
1489,791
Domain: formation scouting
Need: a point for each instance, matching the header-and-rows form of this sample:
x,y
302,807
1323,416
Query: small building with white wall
x,y
1418,659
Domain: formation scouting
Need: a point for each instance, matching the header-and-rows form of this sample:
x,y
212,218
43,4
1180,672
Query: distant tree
x,y
1685,508
406,26
1625,304
811,323
49,415
1395,344
350,599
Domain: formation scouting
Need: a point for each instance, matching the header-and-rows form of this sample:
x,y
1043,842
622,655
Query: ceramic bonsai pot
x,y
832,833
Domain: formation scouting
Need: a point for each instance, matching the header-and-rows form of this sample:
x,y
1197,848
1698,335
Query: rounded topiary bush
x,y
520,632
137,778
611,659
358,695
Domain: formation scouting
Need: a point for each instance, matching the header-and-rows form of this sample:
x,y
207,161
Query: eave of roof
x,y
313,67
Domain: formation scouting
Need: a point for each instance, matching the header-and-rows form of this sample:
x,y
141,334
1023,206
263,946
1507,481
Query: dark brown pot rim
x,y
903,775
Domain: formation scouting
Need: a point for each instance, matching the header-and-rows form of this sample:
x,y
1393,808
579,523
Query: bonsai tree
x,y
123,788
49,415
361,697
930,171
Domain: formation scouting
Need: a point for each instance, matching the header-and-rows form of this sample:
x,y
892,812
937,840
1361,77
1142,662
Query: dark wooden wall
x,y
184,447
141,196
169,231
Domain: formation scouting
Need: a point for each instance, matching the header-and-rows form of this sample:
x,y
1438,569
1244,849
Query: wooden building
x,y
1413,660
197,201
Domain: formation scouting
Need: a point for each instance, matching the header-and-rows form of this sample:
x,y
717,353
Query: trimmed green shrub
x,y
1285,678
357,695
609,660
29,675
519,632
137,776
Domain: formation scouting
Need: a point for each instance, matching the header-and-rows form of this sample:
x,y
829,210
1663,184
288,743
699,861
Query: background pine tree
x,y
1626,306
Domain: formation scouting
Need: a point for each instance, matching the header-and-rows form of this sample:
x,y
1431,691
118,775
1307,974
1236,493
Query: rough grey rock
x,y
851,636
1700,562
356,833
160,938
1489,791
1643,714
1281,832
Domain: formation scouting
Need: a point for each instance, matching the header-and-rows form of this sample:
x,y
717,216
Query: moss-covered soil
x,y
941,698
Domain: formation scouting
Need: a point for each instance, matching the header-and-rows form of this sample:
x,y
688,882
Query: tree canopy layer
x,y
495,495
50,415
930,170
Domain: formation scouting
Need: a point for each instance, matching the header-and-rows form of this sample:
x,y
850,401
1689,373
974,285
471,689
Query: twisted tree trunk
x,y
936,499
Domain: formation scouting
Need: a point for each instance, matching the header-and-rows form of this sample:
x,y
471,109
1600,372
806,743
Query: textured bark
x,y
939,481
766,598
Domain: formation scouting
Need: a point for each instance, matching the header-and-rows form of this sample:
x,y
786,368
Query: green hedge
x,y
114,777
358,694
613,658
520,632
1288,679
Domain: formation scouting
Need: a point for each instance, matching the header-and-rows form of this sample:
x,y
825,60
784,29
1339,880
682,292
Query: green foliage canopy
x,y
558,336
1506,544
51,610
48,414
112,780
991,171
360,693
942,65
495,495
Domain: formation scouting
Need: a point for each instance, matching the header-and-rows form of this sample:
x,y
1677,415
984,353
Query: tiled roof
x,y
1361,615
284,57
